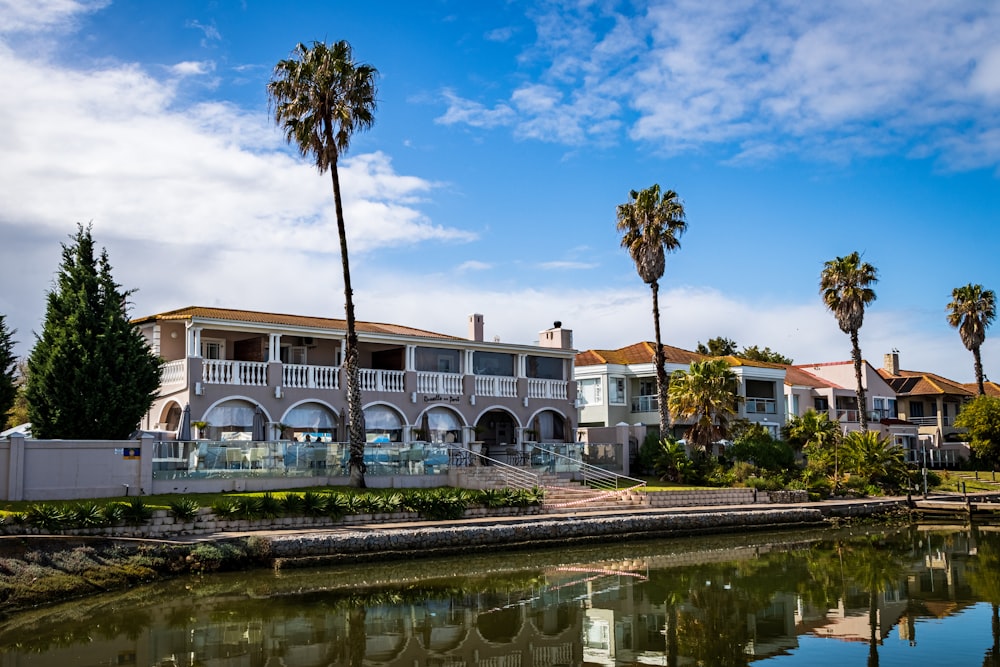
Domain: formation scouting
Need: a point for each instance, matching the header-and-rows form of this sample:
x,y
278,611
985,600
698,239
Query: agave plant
x,y
114,513
184,509
291,504
224,508
313,504
337,505
47,516
248,507
137,512
88,515
269,506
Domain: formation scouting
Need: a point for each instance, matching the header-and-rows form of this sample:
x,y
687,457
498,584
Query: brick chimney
x,y
891,362
476,327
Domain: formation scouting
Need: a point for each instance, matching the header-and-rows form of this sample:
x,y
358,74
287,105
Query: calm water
x,y
909,596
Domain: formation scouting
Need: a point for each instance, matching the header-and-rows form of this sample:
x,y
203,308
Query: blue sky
x,y
506,135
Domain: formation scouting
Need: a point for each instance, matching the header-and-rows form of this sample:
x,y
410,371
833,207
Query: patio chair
x,y
257,456
234,455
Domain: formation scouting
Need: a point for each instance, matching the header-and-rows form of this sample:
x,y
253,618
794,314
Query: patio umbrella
x,y
184,431
257,433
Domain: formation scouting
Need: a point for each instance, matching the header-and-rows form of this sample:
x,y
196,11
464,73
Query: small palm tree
x,y
320,97
651,223
705,393
971,311
875,458
845,285
819,437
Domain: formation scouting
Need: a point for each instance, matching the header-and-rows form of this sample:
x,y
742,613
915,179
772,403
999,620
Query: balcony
x,y
246,373
645,404
301,376
496,385
371,379
439,383
547,389
761,406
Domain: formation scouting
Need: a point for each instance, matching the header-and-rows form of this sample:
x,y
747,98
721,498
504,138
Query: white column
x,y
193,342
522,365
410,362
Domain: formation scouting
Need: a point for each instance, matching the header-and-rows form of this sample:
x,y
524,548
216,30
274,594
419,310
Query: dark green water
x,y
917,595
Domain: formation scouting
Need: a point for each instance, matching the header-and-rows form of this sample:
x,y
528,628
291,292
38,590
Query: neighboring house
x,y
831,388
619,387
415,384
931,402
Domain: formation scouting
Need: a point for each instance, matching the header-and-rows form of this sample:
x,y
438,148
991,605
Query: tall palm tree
x,y
972,310
845,285
320,97
651,223
706,393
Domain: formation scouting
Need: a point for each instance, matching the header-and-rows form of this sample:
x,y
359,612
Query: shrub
x,y
47,516
336,505
88,515
114,513
224,508
313,504
268,506
184,509
291,504
248,507
136,512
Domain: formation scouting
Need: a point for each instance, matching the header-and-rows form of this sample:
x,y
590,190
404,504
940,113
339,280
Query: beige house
x,y
225,366
931,402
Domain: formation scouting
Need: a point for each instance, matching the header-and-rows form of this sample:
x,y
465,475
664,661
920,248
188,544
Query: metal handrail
x,y
512,476
593,476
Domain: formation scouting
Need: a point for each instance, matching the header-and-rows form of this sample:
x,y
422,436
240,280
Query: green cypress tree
x,y
8,371
91,374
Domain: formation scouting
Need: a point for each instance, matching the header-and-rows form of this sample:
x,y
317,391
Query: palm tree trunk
x,y
661,372
856,356
979,370
355,417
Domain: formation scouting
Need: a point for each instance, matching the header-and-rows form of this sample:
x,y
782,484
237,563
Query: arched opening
x,y
547,426
383,424
497,431
309,421
230,420
170,417
440,425
500,626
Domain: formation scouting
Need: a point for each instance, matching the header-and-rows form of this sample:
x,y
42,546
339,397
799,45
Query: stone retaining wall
x,y
702,497
386,544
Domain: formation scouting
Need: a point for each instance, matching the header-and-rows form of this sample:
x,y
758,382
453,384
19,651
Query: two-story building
x,y
619,387
226,365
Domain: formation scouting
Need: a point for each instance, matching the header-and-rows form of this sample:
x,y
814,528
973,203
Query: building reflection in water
x,y
714,607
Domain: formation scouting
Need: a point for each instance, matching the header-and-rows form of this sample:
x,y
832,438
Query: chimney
x,y
891,362
556,337
476,327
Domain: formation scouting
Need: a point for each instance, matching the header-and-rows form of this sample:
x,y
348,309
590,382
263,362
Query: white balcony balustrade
x,y
302,376
220,371
496,385
173,372
555,389
379,380
439,383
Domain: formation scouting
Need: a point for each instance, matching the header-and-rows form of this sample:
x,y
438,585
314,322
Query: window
x,y
213,348
759,389
493,363
821,404
616,391
436,360
916,409
647,387
293,354
544,368
589,391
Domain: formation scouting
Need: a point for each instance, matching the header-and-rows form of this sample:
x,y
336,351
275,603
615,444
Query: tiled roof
x,y
919,383
638,353
796,375
255,317
992,388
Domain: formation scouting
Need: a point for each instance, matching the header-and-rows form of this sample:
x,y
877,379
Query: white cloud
x,y
38,15
192,68
827,80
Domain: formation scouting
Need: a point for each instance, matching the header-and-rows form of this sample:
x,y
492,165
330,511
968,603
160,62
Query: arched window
x,y
230,420
550,427
442,425
383,424
313,420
